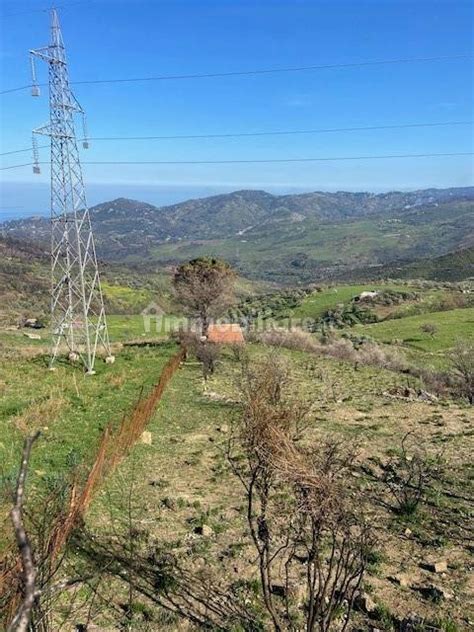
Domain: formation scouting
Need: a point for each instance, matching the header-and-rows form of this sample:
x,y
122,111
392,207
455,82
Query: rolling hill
x,y
290,238
454,266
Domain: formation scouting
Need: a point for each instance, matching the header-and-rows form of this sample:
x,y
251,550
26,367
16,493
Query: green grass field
x,y
136,327
451,325
314,305
68,407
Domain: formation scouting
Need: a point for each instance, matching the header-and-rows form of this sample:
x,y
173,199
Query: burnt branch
x,y
21,619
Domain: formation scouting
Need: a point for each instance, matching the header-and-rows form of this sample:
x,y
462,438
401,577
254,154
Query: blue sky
x,y
125,38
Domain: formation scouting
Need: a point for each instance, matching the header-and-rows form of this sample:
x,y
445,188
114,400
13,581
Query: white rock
x,y
146,438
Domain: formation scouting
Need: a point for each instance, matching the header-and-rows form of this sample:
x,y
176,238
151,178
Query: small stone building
x,y
225,333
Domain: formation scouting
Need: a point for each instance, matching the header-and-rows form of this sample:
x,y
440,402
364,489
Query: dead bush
x,y
341,349
462,362
300,516
189,340
368,353
408,476
429,328
208,354
290,339
372,354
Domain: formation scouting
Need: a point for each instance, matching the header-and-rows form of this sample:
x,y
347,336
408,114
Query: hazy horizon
x,y
320,129
27,199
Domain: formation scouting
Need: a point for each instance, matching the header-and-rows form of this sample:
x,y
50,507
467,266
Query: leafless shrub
x,y
208,354
289,338
408,476
300,519
238,352
368,354
341,349
462,362
429,328
21,620
31,584
188,340
372,354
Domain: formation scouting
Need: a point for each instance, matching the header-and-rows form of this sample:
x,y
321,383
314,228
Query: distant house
x,y
225,333
363,296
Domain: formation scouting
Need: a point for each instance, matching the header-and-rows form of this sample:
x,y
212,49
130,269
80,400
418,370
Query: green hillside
x,y
450,325
310,250
454,266
288,239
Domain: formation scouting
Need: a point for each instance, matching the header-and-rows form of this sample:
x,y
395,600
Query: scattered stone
x,y
427,397
412,621
408,532
169,503
446,594
204,530
441,566
33,323
200,561
110,359
400,580
224,428
411,394
434,593
32,336
146,437
365,603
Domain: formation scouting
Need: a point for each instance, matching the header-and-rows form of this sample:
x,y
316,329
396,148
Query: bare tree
x,y
205,288
35,580
21,619
300,520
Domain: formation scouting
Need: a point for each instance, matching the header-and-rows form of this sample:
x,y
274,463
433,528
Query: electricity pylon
x,y
77,305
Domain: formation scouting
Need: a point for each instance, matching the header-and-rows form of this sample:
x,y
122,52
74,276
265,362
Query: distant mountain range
x,y
289,238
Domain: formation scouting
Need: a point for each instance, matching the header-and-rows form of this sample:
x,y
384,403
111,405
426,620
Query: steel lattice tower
x,y
77,305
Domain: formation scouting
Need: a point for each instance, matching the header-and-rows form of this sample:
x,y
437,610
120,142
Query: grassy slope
x,y
71,408
317,303
185,463
450,325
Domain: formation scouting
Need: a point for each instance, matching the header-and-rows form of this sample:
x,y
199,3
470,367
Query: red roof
x,y
226,333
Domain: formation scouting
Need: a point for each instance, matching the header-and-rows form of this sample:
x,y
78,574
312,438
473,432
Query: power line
x,y
15,89
255,160
254,134
261,71
44,9
26,164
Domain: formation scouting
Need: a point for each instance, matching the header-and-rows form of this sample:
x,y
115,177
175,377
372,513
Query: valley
x,y
285,239
370,350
